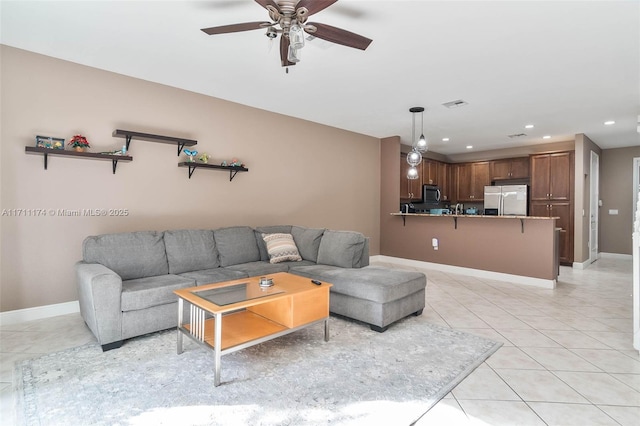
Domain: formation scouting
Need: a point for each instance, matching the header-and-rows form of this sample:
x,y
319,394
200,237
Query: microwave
x,y
430,194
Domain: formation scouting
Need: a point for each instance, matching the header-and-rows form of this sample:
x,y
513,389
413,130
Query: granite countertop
x,y
473,216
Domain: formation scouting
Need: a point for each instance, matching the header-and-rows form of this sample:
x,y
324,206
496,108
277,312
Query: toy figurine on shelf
x,y
236,163
191,154
204,157
224,163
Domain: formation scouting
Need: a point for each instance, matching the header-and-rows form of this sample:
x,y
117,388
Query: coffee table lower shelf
x,y
239,328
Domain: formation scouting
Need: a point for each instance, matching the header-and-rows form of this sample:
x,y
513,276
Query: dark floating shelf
x,y
88,155
128,135
233,170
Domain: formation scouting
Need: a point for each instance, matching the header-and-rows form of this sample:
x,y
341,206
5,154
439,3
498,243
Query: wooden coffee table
x,y
234,315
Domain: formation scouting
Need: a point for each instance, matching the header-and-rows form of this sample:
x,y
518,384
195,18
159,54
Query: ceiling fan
x,y
289,19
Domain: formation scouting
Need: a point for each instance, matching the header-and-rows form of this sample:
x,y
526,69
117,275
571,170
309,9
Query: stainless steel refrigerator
x,y
505,200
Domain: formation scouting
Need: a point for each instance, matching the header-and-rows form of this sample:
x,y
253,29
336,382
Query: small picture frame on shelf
x,y
49,142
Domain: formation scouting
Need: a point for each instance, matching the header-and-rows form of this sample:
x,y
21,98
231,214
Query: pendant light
x,y
414,157
419,145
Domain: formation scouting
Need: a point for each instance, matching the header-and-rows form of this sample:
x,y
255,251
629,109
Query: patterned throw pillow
x,y
281,247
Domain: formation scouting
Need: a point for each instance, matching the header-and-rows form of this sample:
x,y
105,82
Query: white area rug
x,y
358,377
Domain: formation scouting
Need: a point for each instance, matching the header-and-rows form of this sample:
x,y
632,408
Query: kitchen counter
x,y
523,247
474,216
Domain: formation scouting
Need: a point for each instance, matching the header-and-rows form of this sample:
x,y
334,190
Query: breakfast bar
x,y
522,246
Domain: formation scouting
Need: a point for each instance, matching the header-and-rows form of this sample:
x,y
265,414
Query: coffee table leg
x,y
180,313
217,341
326,330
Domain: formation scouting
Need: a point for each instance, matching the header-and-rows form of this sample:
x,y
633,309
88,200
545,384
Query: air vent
x,y
455,104
517,135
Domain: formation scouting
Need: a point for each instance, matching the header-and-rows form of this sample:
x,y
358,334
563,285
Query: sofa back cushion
x,y
308,241
274,229
341,248
236,244
190,250
131,255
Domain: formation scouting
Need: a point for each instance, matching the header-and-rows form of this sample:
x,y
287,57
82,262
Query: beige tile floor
x,y
567,358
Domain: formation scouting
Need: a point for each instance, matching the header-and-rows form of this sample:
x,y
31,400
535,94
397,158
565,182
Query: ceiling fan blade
x,y
314,6
284,52
235,28
339,36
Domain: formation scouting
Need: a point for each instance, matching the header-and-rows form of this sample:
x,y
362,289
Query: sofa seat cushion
x,y
130,254
210,276
143,293
380,285
254,269
236,244
190,250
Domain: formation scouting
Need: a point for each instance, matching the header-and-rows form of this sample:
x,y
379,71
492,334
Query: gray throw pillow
x,y
341,248
308,241
190,250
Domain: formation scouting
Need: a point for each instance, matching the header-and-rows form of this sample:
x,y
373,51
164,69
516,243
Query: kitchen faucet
x,y
459,208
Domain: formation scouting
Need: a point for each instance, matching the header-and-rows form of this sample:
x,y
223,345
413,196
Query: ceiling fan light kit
x,y
289,19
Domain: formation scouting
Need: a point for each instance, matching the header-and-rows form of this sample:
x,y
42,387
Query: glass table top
x,y
236,293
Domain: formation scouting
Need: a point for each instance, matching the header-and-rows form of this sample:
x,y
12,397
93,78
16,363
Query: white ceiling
x,y
565,67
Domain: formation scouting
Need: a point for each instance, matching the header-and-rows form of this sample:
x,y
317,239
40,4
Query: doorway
x,y
594,196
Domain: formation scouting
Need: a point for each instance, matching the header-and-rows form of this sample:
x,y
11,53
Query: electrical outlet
x,y
434,243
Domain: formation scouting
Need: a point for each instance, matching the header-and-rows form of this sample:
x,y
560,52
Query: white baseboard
x,y
39,312
615,256
499,276
582,265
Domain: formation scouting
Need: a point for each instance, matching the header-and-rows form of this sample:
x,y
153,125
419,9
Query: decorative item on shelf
x,y
235,163
204,157
49,142
190,154
224,163
79,143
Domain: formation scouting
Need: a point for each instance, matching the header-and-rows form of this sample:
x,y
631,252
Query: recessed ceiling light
x,y
445,139
529,126
609,123
546,137
469,146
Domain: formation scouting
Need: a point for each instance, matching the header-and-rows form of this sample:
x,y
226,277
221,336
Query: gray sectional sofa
x,y
126,281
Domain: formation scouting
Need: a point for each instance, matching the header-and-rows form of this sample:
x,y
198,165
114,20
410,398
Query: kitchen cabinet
x,y
510,168
470,180
552,196
551,176
430,171
444,179
410,189
563,210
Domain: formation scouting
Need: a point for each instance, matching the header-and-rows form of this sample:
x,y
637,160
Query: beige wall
x,y
582,198
616,192
299,172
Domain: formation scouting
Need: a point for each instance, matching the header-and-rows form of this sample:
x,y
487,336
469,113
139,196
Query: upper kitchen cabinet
x,y
551,176
410,189
470,180
510,168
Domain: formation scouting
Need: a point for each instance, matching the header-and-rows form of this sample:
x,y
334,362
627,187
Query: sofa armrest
x,y
99,294
364,259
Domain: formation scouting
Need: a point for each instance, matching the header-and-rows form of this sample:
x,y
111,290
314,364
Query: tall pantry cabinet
x,y
552,195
